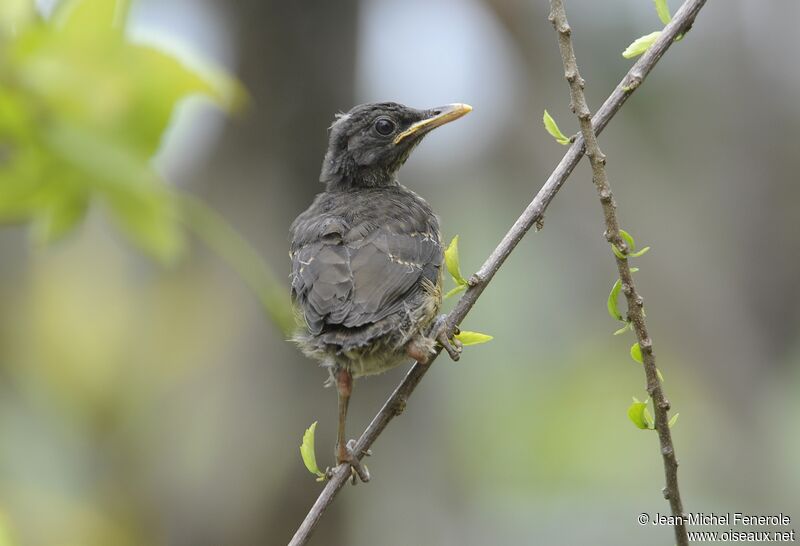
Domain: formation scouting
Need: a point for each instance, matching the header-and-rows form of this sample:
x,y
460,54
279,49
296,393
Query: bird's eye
x,y
384,126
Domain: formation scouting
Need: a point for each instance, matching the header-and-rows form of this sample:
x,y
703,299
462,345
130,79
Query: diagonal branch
x,y
661,406
532,215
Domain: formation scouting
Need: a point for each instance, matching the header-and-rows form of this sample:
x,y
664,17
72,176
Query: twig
x,y
558,17
532,215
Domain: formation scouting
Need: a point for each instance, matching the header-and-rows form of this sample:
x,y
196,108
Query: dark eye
x,y
384,126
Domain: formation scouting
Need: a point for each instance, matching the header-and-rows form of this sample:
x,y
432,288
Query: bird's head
x,y
371,142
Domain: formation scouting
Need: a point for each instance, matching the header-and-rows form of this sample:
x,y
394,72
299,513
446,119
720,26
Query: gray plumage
x,y
365,268
367,254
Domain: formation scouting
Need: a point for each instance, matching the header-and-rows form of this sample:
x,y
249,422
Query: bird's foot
x,y
440,334
346,455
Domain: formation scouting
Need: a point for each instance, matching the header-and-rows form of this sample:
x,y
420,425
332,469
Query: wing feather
x,y
355,276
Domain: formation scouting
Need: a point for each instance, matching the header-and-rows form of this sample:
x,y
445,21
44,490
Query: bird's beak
x,y
439,116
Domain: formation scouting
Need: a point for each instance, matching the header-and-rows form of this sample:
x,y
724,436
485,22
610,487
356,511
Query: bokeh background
x,y
151,404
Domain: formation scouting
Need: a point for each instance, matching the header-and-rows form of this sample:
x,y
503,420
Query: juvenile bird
x,y
367,254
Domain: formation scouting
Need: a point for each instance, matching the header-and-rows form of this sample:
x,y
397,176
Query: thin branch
x,y
558,17
532,215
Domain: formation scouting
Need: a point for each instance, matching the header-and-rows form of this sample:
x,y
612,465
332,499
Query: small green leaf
x,y
673,420
452,263
636,413
639,253
628,326
611,304
308,454
456,290
634,269
663,11
648,419
628,238
660,375
552,128
617,252
472,338
636,353
640,45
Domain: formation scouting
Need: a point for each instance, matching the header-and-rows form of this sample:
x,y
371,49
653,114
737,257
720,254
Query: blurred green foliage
x,y
82,112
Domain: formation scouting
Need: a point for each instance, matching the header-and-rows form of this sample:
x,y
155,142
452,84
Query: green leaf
x,y
456,290
628,326
640,45
617,252
611,304
552,128
673,420
636,353
628,238
631,244
452,262
473,338
640,415
308,454
663,11
660,375
648,419
636,413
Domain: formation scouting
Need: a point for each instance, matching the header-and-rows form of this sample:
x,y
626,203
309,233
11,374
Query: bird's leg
x,y
439,333
344,387
344,451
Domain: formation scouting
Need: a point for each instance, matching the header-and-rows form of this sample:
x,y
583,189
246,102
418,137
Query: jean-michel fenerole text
x,y
728,518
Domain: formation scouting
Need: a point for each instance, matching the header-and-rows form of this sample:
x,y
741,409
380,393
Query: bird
x,y
366,256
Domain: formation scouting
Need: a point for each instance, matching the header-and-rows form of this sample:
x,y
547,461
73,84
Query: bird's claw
x,y
348,456
440,335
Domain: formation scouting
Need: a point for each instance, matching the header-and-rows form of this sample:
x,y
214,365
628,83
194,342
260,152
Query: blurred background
x,y
153,401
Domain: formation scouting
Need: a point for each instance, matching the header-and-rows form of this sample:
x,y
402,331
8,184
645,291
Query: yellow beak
x,y
443,114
